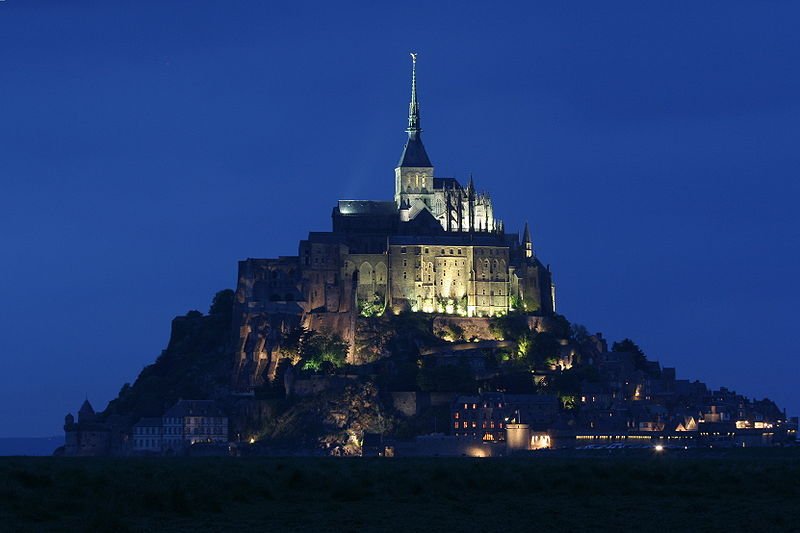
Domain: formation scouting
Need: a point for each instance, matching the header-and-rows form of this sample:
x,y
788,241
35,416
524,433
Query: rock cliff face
x,y
333,421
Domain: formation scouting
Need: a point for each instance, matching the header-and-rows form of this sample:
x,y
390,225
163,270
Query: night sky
x,y
146,147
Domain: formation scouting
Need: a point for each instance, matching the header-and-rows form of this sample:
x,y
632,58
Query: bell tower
x,y
413,177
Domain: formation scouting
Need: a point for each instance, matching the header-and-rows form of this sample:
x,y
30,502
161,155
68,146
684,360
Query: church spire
x,y
414,154
413,106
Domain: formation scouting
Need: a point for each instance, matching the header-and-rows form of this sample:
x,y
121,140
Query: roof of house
x,y
149,422
86,408
194,408
366,207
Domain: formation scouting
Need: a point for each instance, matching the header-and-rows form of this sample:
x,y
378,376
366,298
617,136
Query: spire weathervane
x,y
413,107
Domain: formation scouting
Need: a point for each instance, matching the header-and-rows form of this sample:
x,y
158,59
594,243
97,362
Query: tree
x,y
316,349
372,307
627,345
545,346
579,333
511,326
560,326
222,304
446,378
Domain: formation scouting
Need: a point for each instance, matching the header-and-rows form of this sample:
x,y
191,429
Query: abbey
x,y
437,247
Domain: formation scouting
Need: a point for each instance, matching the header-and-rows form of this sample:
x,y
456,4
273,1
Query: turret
x,y
526,241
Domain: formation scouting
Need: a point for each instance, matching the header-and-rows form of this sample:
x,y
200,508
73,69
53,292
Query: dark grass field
x,y
734,490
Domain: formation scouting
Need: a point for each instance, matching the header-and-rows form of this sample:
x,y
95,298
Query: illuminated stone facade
x,y
436,248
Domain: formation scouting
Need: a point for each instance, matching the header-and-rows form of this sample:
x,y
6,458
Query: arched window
x,y
380,273
365,274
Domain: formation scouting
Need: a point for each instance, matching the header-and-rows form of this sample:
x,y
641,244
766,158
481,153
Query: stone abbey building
x,y
437,247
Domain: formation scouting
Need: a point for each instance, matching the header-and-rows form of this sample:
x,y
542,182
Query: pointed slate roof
x,y
414,154
86,409
526,235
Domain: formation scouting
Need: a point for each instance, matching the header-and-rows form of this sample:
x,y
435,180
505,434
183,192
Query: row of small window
x,y
203,421
485,405
443,251
458,251
474,425
471,414
206,431
147,443
486,436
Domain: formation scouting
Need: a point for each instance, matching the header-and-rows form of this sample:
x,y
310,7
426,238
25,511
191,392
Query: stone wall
x,y
473,328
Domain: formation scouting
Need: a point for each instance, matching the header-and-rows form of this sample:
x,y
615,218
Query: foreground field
x,y
753,490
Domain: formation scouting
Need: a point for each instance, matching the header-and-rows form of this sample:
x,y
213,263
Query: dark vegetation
x,y
735,490
194,365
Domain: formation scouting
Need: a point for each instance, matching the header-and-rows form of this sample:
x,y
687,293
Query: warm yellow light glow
x,y
659,448
477,451
252,440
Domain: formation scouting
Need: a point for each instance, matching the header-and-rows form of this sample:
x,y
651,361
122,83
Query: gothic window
x,y
380,273
365,274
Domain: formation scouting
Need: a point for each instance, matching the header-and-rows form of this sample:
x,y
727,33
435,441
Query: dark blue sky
x,y
146,147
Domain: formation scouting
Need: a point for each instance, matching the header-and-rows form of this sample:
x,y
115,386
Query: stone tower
x,y
413,177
